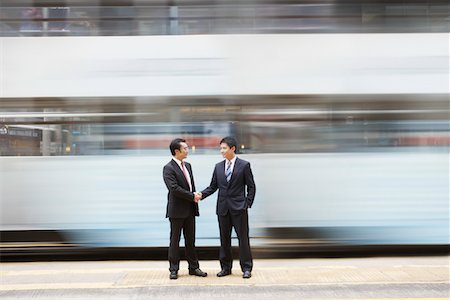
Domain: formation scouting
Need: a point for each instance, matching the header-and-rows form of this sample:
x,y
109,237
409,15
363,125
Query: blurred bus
x,y
340,106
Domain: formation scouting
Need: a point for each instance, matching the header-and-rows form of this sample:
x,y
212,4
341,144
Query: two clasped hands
x,y
197,197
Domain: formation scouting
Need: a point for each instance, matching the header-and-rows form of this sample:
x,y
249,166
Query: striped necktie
x,y
228,171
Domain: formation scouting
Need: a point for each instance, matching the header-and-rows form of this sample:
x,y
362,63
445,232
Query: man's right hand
x,y
197,197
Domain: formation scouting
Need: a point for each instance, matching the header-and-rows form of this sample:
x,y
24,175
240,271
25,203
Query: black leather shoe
x,y
224,273
247,274
173,275
198,272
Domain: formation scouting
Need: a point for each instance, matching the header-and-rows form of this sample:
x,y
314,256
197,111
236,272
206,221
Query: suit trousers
x,y
188,227
240,224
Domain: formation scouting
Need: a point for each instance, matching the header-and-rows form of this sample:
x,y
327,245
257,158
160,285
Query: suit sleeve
x,y
212,188
250,182
172,185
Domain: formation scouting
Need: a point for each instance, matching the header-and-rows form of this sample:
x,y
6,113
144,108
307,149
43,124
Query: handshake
x,y
197,197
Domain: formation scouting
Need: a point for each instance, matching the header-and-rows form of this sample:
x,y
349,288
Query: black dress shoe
x,y
224,273
198,272
247,274
173,275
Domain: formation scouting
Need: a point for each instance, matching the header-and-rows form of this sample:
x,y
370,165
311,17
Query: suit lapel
x,y
180,172
221,173
191,176
235,170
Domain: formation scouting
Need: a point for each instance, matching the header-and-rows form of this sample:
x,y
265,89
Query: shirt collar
x,y
177,160
232,161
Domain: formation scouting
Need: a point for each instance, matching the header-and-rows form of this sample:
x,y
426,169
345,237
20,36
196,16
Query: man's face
x,y
183,152
226,151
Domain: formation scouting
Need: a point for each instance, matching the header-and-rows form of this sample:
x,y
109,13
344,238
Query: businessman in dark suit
x,y
182,208
231,177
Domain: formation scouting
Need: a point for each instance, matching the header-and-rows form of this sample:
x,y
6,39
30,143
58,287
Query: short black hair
x,y
176,144
230,141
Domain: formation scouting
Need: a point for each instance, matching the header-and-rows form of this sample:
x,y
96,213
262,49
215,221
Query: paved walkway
x,y
378,272
114,274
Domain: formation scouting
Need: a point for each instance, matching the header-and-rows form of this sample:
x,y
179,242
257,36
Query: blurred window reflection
x,y
31,19
58,15
154,18
265,124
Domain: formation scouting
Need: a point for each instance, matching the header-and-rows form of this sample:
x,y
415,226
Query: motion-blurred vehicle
x,y
344,120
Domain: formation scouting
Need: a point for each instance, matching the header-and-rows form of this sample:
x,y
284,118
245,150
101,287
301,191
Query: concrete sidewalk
x,y
279,272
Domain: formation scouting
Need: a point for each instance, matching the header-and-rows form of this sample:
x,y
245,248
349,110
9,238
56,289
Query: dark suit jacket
x,y
232,195
180,201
